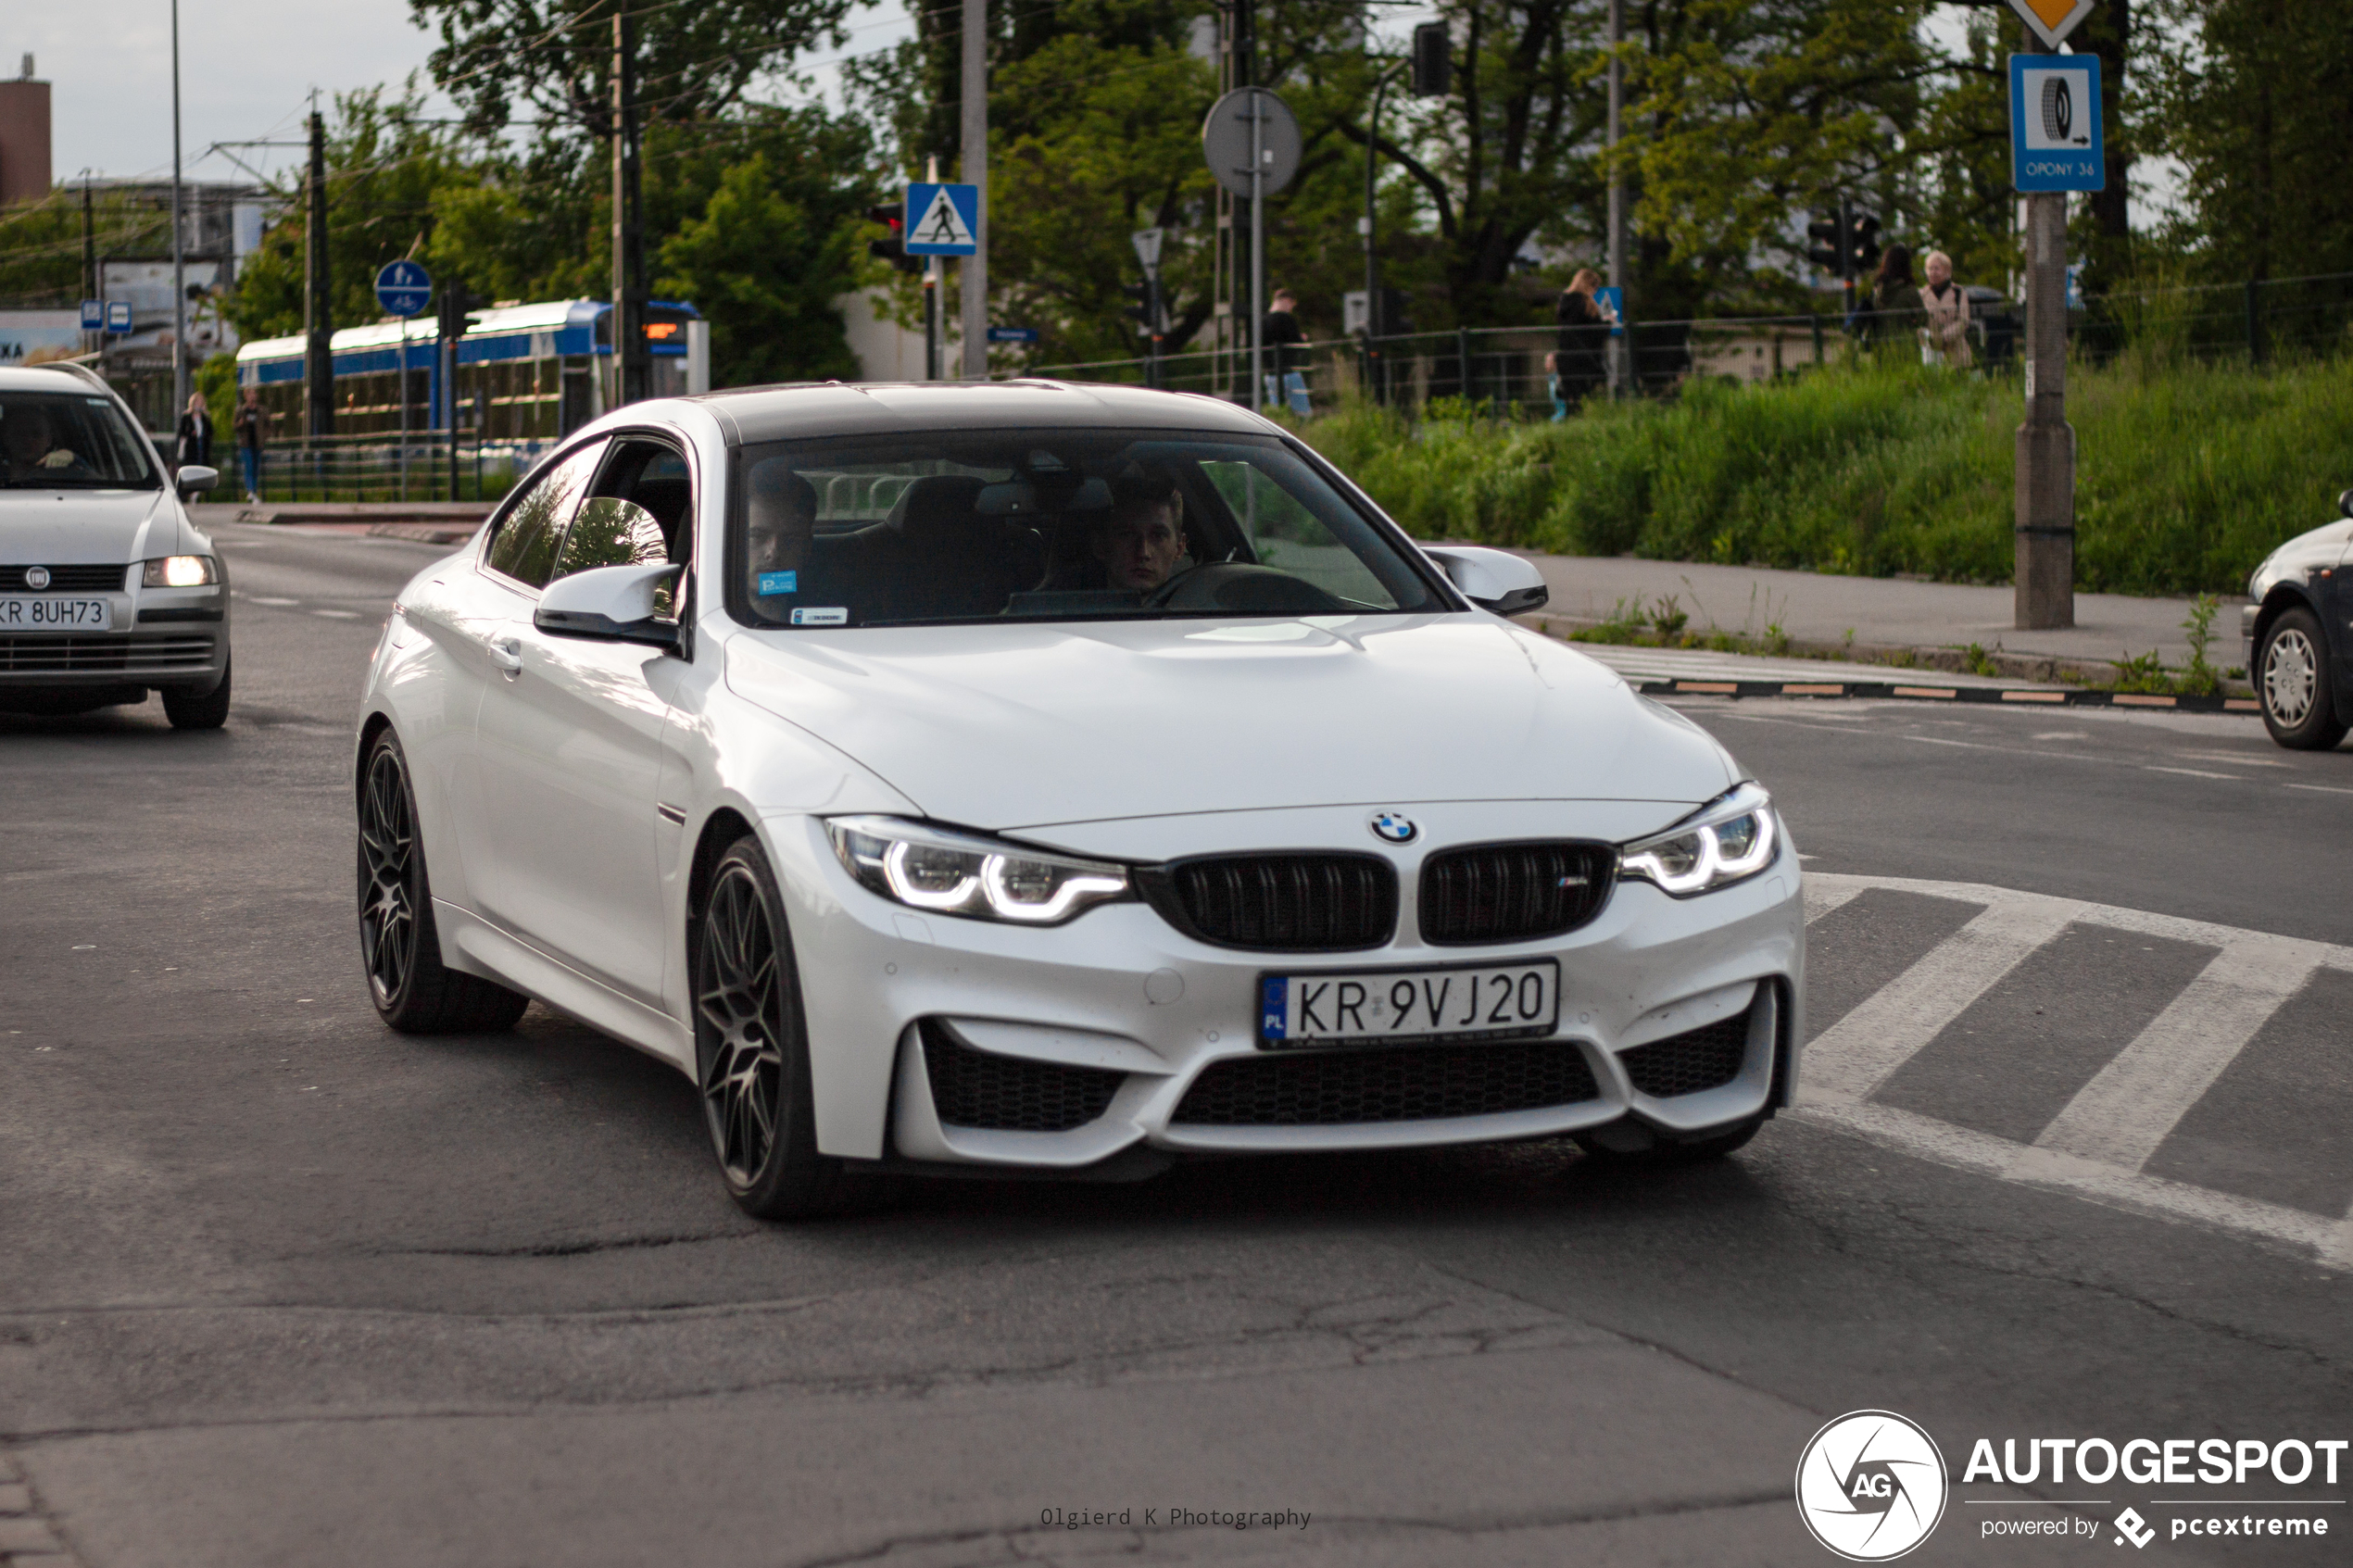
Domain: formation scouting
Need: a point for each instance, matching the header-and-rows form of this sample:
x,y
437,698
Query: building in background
x,y
24,138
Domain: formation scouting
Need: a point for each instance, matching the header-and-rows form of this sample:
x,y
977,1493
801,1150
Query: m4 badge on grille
x,y
1394,827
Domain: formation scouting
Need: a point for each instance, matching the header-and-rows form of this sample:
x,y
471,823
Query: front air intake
x,y
1396,1084
1008,1094
1489,892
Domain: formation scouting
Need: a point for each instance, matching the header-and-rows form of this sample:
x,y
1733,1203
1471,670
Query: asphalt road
x,y
278,1287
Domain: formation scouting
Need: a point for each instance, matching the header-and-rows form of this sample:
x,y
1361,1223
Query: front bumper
x,y
1121,992
165,639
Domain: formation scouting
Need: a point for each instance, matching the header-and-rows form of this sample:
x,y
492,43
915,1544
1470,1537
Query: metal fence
x,y
367,468
1503,370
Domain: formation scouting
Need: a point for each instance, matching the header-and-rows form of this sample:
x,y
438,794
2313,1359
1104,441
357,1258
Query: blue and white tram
x,y
526,374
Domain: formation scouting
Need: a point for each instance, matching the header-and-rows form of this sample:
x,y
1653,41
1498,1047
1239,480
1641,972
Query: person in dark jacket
x,y
1578,363
251,428
1894,314
196,433
1287,361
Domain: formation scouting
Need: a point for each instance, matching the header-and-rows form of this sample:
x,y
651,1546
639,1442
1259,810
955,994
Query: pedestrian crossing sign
x,y
943,220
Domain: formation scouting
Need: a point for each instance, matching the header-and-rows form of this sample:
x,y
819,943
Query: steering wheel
x,y
1242,589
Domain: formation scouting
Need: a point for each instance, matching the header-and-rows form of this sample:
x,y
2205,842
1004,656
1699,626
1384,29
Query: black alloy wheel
x,y
2292,683
210,711
750,1047
398,947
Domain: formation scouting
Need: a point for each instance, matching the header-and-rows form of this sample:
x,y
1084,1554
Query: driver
x,y
30,443
1142,540
779,523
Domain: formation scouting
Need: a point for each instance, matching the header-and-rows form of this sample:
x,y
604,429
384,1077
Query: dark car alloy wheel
x,y
412,990
741,1005
752,1053
387,869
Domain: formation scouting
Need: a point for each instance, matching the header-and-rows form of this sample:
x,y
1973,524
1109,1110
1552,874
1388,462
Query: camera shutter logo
x,y
1870,1485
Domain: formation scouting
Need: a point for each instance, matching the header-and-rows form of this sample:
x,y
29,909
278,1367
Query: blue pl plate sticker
x,y
1271,1023
773,583
821,617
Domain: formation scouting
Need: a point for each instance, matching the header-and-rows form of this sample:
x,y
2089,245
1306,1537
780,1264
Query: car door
x,y
570,749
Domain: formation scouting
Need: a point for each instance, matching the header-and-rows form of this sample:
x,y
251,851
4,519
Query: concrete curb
x,y
1907,692
1945,660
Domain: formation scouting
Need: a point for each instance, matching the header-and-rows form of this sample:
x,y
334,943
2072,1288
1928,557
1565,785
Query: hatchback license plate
x,y
1410,1006
55,612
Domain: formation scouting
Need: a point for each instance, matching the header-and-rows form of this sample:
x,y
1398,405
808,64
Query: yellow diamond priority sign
x,y
2052,21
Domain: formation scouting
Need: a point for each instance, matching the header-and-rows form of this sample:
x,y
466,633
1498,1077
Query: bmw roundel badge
x,y
1394,826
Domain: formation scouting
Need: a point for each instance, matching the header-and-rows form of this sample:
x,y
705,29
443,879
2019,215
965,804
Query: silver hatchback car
x,y
107,590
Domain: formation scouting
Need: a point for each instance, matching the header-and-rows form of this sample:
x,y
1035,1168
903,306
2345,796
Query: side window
x,y
655,479
524,547
611,533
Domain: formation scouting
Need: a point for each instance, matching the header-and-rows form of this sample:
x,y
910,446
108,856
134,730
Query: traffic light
x,y
1146,307
1433,74
1826,250
453,304
1862,244
892,216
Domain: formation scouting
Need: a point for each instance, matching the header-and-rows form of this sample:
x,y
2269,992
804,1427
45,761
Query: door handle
x,y
507,654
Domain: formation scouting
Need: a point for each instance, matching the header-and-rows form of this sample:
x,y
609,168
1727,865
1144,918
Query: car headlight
x,y
179,571
944,872
1730,838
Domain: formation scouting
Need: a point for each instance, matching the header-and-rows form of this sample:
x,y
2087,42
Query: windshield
x,y
70,439
1050,525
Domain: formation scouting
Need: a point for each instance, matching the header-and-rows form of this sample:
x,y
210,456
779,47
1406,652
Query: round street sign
x,y
403,288
1226,141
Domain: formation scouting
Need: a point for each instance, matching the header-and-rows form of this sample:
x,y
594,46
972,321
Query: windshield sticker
x,y
838,617
775,582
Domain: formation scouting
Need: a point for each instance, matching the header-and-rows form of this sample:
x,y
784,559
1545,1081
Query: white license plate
x,y
55,612
1410,1006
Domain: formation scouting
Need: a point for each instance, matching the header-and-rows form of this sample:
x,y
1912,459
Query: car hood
x,y
85,527
1004,727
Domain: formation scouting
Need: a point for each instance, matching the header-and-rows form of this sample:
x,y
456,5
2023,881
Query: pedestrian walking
x,y
250,427
1579,360
1895,300
196,433
1283,334
1944,340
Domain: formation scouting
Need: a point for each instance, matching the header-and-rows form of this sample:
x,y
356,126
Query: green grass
x,y
2186,475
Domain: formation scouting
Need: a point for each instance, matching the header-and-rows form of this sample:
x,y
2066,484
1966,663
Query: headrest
x,y
936,508
775,488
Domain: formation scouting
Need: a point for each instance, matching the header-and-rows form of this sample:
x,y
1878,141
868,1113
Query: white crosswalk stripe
x,y
2098,1144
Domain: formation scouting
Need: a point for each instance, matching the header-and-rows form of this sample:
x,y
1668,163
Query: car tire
x,y
2292,683
1667,1151
399,950
210,711
751,1050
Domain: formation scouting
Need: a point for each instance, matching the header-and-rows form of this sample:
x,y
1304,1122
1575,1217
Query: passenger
x,y
1141,543
780,521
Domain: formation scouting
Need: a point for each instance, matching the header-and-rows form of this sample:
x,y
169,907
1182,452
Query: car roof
x,y
786,413
43,378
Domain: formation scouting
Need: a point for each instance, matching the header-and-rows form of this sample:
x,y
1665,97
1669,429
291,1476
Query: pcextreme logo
x,y
1870,1485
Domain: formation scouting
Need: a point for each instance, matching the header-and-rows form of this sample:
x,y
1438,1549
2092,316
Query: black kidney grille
x,y
1513,892
1706,1058
67,579
1281,903
972,1088
1406,1083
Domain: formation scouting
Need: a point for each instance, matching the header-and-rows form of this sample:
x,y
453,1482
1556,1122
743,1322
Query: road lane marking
x,y
257,600
1854,1056
2321,789
1965,1148
2130,1105
2095,1148
2197,774
338,614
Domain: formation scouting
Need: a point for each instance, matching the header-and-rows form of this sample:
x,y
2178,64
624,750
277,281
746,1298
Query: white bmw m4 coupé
x,y
1038,779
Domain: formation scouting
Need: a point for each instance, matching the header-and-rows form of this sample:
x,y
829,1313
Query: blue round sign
x,y
403,288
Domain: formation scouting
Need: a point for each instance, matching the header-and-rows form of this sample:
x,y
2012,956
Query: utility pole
x,y
178,243
935,274
318,359
973,270
1245,63
2044,569
89,258
632,365
1621,344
